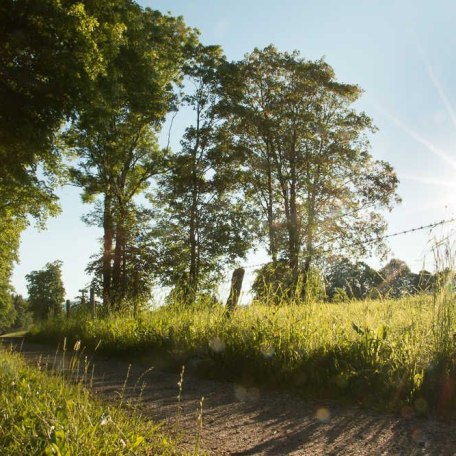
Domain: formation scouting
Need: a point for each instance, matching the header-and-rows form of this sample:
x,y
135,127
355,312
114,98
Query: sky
x,y
401,52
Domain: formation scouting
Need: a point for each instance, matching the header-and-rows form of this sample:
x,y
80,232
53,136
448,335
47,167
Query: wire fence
x,y
224,287
376,239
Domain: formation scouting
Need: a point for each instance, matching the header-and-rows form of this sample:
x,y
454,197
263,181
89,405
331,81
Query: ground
x,y
247,421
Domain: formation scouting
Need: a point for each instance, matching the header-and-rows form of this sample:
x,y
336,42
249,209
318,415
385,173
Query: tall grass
x,y
378,351
382,351
41,414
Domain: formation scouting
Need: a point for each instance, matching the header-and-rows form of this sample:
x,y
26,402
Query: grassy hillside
x,y
388,352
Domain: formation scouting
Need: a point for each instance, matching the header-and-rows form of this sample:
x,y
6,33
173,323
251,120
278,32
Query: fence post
x,y
67,308
235,291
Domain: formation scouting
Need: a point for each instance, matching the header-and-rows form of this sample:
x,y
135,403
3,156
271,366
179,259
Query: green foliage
x,y
305,156
202,224
10,230
50,51
353,280
396,279
113,139
46,291
23,316
50,54
41,414
273,282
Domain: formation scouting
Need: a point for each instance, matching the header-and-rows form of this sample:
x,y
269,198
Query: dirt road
x,y
243,421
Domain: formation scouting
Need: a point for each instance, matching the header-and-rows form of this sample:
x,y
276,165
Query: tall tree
x,y
50,52
114,137
46,291
202,221
306,156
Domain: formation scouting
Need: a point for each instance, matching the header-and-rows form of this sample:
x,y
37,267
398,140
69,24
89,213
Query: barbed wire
x,y
373,239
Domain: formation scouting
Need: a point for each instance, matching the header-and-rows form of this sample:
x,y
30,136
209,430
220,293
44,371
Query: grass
x,y
378,352
41,414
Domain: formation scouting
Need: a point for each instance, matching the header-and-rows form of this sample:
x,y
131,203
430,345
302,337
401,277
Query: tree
x,y
114,137
10,231
272,282
46,291
202,222
50,51
306,157
425,281
139,254
355,280
23,316
397,279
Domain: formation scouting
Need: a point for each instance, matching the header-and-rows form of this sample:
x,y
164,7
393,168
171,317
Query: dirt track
x,y
239,421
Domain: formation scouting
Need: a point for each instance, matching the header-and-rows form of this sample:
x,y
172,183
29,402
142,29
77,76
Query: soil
x,y
247,421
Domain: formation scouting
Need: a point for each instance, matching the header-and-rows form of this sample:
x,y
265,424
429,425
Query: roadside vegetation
x,y
42,414
386,353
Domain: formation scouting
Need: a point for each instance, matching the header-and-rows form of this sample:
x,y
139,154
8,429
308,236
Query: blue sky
x,y
401,52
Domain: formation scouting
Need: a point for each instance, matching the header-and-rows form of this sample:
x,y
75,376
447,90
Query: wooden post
x,y
236,286
67,308
93,306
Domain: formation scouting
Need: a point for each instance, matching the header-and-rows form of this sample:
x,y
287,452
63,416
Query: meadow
x,y
385,353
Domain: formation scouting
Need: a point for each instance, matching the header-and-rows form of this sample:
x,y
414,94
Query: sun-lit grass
x,y
380,351
41,414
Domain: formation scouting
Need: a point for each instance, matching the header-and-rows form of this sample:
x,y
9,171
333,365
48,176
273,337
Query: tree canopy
x,y
46,291
276,154
306,158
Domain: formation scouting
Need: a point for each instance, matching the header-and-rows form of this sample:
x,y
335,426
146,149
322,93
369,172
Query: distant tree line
x,y
341,280
349,280
276,154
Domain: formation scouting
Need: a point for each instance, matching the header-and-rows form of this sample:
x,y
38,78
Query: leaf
x,y
360,331
381,332
139,440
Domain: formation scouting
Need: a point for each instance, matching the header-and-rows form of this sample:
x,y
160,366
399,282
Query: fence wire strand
x,y
430,226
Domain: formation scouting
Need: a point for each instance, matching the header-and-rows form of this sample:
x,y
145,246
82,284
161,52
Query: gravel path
x,y
241,421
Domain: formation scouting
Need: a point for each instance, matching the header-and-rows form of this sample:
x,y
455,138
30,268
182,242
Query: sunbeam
x,y
438,87
428,180
418,138
447,203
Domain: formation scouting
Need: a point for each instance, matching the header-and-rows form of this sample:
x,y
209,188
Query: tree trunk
x,y
293,233
309,240
107,250
193,235
271,221
118,292
93,306
294,219
193,273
